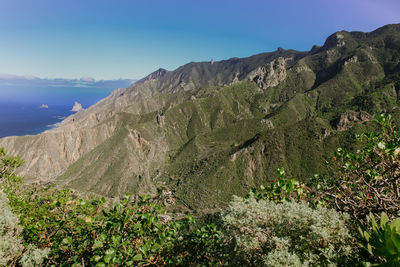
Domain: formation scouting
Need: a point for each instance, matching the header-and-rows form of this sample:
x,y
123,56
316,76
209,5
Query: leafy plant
x,y
368,179
205,246
8,166
73,231
383,240
286,189
86,232
12,249
282,190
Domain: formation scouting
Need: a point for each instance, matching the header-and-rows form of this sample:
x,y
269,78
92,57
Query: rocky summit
x,y
205,131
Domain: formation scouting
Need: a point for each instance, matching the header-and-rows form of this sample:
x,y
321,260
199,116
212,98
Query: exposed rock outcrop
x,y
268,123
270,75
349,118
335,40
48,154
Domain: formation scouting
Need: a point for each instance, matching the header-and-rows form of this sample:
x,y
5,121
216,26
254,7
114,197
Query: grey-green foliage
x,y
271,234
11,248
282,258
33,256
10,245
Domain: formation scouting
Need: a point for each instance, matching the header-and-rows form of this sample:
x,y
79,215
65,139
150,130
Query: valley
x,y
210,130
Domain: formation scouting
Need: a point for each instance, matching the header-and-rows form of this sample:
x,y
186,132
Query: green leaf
x,y
97,244
395,225
395,238
96,258
373,222
110,251
103,237
66,241
384,220
137,257
107,258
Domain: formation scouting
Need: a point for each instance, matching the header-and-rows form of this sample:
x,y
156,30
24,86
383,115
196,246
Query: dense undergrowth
x,y
329,221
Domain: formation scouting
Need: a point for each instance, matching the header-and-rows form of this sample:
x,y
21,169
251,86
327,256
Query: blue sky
x,y
129,39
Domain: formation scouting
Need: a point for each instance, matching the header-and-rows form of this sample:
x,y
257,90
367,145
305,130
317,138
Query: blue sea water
x,y
29,118
21,112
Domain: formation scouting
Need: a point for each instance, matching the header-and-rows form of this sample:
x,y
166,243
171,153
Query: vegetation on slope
x,y
200,133
285,223
230,124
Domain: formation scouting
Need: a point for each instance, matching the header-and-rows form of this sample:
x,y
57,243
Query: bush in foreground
x,y
368,179
12,249
382,240
269,233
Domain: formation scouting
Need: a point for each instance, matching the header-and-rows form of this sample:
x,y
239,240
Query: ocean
x,y
29,118
31,108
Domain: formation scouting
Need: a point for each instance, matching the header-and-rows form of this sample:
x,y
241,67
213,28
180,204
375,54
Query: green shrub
x,y
10,244
205,246
82,232
266,232
282,258
383,240
9,181
282,190
368,179
285,189
8,164
12,249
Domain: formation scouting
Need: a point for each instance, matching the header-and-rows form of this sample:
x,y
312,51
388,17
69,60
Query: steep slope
x,y
79,133
209,130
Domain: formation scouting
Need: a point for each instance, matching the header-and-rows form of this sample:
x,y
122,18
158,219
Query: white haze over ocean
x,y
30,105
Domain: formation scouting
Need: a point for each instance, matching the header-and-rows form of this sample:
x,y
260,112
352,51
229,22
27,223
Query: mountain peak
x,y
337,39
155,75
386,28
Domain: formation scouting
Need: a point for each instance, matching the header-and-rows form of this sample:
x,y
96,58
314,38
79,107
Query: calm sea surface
x,y
21,112
29,118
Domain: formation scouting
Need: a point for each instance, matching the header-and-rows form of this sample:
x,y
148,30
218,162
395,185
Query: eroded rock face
x,y
268,123
47,154
270,75
349,118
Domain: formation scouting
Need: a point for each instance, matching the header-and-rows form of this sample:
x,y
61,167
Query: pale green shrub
x,y
266,233
283,258
33,256
11,247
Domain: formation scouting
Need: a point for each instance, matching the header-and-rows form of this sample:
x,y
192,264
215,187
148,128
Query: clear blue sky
x,y
129,39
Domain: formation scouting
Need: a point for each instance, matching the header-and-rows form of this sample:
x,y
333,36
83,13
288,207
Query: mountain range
x,y
207,130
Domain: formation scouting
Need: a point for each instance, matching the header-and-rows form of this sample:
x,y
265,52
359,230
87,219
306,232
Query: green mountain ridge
x,y
197,135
